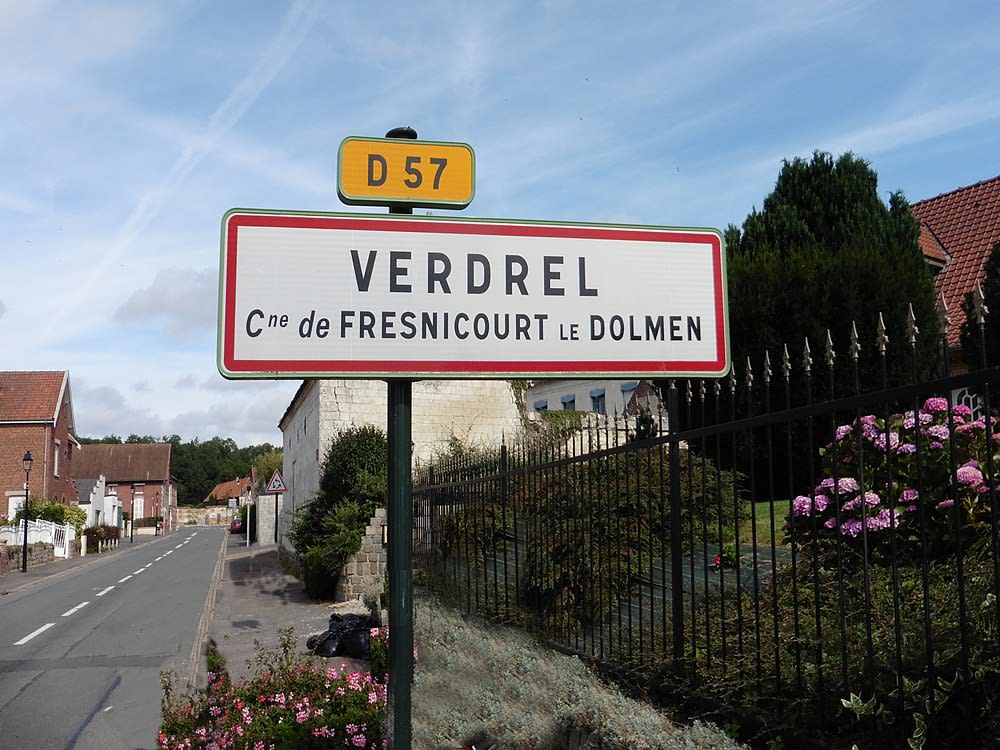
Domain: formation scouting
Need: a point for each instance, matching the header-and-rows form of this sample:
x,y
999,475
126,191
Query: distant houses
x,y
137,475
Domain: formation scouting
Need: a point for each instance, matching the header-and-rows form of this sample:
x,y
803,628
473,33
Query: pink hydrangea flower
x,y
969,475
936,404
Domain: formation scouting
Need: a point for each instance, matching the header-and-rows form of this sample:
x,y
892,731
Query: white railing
x,y
60,537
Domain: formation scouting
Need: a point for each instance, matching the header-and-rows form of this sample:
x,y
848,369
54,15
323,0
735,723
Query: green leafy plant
x,y
327,530
286,705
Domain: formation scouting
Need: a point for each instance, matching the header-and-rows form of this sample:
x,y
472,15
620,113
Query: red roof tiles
x,y
124,462
225,490
32,396
960,228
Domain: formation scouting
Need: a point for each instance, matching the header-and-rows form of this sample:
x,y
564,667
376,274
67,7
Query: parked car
x,y
236,526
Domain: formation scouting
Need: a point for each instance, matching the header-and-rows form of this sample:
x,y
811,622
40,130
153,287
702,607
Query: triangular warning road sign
x,y
277,485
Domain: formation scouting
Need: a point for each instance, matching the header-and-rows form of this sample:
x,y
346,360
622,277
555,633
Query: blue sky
x,y
131,127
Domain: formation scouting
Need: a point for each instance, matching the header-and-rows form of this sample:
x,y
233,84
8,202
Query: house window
x,y
56,458
542,405
569,403
598,402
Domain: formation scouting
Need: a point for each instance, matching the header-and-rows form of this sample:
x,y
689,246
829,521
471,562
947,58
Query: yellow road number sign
x,y
395,171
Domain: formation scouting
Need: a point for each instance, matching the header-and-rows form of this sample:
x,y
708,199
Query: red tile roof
x,y
960,228
225,490
122,463
33,396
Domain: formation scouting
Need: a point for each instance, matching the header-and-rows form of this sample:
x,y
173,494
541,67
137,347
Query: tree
x,y
266,464
826,252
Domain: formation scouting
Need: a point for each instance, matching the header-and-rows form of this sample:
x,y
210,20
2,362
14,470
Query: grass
x,y
762,511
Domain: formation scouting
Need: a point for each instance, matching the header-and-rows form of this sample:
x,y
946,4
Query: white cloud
x,y
183,301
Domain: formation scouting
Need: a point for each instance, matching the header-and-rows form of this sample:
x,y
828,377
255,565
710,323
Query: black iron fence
x,y
828,570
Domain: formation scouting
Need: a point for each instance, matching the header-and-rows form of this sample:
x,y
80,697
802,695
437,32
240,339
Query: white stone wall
x,y
301,452
476,412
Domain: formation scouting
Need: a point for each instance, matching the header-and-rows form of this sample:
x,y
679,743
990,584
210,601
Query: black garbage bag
x,y
347,635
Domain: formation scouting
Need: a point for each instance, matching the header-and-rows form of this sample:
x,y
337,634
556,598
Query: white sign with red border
x,y
376,296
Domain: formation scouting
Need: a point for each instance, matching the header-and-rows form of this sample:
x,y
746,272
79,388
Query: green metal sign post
x,y
400,520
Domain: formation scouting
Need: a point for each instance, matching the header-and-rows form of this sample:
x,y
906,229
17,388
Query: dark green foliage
x,y
353,483
825,251
957,707
971,337
355,467
605,518
324,539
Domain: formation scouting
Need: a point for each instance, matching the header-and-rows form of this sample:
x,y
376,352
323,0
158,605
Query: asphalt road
x,y
81,650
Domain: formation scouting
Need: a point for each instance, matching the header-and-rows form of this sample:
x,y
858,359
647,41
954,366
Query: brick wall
x,y
42,441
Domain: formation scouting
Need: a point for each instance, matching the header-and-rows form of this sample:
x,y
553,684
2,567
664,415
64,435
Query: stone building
x,y
472,412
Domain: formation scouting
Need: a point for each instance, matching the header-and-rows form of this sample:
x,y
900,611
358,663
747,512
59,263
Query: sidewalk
x,y
252,599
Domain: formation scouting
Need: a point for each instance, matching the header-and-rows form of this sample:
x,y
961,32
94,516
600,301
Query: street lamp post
x,y
131,530
26,464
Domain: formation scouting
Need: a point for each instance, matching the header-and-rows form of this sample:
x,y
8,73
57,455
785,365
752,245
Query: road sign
x,y
277,485
373,296
393,171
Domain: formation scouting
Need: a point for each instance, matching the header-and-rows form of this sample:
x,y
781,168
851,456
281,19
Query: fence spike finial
x,y
767,367
732,381
855,348
911,327
881,337
786,363
749,379
807,360
943,320
979,303
830,356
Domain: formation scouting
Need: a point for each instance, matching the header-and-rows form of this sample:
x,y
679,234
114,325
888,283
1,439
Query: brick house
x,y
241,489
36,416
138,474
957,232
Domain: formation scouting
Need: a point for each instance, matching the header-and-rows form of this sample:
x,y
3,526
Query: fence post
x,y
676,561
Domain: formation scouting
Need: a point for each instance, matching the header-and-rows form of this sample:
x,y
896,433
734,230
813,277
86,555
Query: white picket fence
x,y
59,536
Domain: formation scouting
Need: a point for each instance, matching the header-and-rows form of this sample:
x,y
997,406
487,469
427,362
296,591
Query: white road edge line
x,y
32,635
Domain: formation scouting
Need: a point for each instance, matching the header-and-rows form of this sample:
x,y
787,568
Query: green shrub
x,y
353,483
601,518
